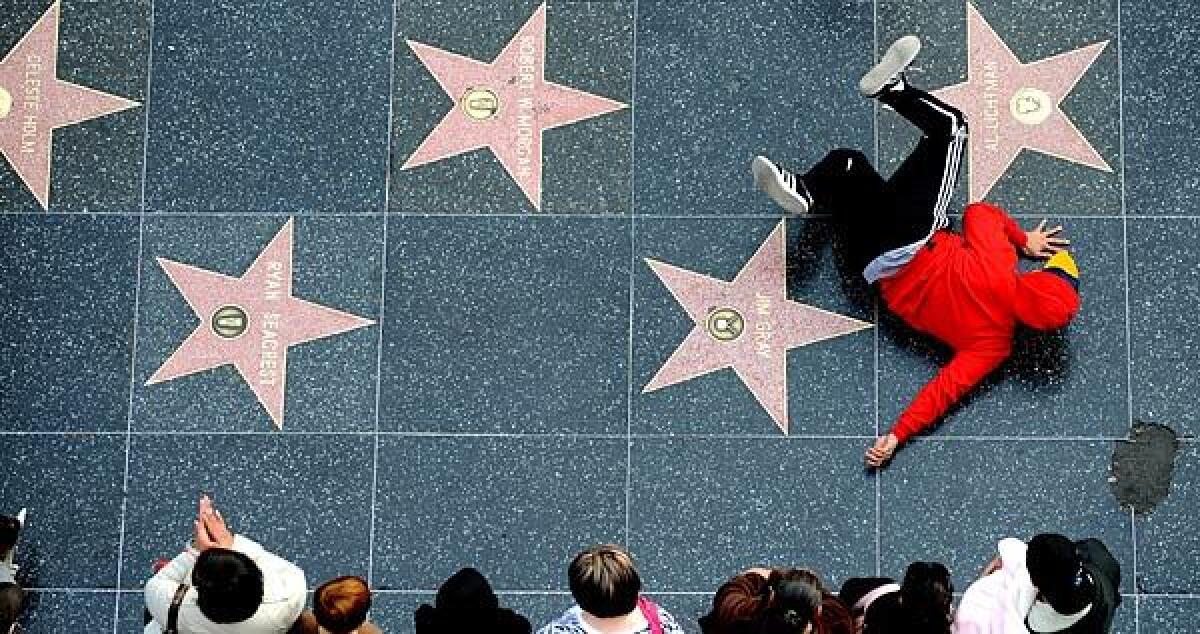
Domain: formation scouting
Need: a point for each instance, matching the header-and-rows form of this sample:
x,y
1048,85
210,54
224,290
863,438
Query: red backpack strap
x,y
650,612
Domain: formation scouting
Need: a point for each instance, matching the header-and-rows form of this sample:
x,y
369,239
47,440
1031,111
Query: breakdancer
x,y
963,288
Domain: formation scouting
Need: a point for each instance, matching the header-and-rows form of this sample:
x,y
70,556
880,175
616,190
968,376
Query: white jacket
x,y
284,595
999,602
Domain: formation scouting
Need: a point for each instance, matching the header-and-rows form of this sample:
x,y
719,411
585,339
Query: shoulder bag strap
x,y
173,613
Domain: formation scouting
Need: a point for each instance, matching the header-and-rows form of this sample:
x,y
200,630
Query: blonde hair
x,y
604,581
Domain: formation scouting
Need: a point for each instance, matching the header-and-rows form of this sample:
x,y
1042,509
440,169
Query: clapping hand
x,y
993,565
211,531
1042,243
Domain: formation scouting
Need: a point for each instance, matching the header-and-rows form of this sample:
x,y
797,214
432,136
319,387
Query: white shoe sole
x,y
768,179
898,56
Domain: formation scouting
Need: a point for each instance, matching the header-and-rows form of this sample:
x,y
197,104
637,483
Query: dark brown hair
x,y
604,582
341,605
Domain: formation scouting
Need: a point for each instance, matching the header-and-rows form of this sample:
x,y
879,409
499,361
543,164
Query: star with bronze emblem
x,y
504,105
1012,105
748,325
250,322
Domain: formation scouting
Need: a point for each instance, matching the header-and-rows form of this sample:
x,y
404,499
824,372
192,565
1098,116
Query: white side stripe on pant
x,y
949,170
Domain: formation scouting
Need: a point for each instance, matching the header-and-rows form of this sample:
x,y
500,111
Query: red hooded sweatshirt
x,y
960,289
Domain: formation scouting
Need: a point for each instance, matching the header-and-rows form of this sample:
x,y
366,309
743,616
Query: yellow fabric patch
x,y
1063,262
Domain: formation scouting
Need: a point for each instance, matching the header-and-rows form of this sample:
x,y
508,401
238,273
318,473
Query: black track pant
x,y
911,205
12,603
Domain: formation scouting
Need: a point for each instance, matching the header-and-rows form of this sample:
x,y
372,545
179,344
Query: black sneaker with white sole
x,y
784,187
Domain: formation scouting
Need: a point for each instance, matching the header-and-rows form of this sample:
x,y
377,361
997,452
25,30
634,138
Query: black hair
x,y
922,604
466,603
927,595
1056,569
229,586
887,616
467,591
795,600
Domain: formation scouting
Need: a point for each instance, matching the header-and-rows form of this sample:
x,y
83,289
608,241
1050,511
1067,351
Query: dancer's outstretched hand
x,y
882,451
1043,243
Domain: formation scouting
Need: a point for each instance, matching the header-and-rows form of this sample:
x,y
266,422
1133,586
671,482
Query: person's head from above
x,y
1048,299
604,582
340,605
466,603
9,529
12,602
229,586
466,594
1065,588
888,616
927,594
794,602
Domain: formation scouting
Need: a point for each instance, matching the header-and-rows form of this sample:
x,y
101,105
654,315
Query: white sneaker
x,y
784,187
899,55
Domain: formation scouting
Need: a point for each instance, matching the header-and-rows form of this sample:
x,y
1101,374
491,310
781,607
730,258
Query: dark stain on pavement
x,y
1143,465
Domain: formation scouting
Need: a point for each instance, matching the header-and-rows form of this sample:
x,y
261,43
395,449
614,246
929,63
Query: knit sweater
x,y
961,290
571,622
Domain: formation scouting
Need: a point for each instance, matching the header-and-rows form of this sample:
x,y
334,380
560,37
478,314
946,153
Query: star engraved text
x,y
269,363
763,329
991,107
526,74
32,102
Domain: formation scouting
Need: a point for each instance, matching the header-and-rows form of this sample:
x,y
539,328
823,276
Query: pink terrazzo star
x,y
250,321
748,324
504,105
1011,105
33,102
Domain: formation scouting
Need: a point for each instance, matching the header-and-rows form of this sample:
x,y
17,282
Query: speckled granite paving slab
x,y
414,285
